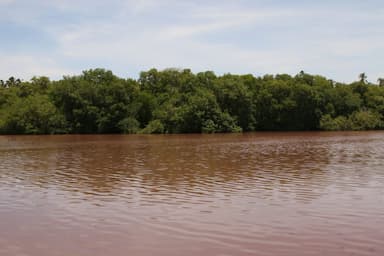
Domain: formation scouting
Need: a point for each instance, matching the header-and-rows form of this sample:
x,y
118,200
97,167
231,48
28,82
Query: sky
x,y
338,39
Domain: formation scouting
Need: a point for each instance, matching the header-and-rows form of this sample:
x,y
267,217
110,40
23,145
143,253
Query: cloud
x,y
25,67
225,36
215,20
6,2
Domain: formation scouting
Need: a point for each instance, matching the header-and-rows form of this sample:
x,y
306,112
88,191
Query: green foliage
x,y
155,126
357,121
95,102
339,123
33,115
234,97
365,120
179,101
129,125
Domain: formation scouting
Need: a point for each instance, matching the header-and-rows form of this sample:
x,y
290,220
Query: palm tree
x,y
363,78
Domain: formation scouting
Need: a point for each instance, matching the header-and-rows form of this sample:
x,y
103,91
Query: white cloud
x,y
5,2
25,67
167,33
140,6
223,20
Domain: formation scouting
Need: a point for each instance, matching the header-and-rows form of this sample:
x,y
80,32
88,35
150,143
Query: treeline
x,y
179,101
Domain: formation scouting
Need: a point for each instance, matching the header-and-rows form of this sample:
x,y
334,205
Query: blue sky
x,y
338,39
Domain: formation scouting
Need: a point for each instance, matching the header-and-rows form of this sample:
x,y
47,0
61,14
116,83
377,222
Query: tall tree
x,y
363,77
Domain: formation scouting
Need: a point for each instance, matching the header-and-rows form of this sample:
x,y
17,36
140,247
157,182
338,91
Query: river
x,y
297,193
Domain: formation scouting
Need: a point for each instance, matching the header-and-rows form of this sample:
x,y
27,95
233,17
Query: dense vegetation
x,y
179,101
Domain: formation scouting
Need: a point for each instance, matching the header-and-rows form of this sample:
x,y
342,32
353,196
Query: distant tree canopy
x,y
179,101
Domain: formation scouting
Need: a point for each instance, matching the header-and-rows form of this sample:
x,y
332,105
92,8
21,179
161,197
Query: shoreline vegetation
x,y
179,101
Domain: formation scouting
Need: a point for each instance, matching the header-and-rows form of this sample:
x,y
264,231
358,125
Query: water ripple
x,y
231,194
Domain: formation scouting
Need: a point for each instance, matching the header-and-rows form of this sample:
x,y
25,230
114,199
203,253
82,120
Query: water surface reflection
x,y
232,194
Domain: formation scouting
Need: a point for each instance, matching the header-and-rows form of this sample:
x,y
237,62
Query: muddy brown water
x,y
227,194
